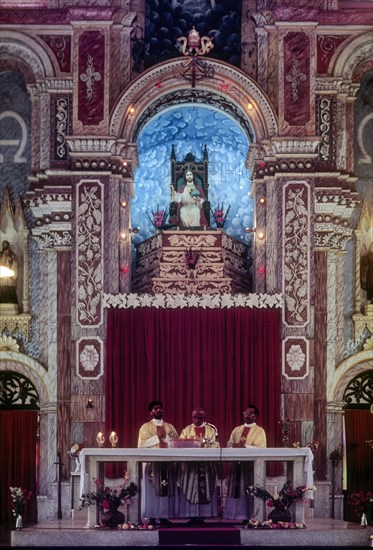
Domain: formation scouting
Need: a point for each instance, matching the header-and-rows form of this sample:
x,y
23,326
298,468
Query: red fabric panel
x,y
219,359
18,460
359,430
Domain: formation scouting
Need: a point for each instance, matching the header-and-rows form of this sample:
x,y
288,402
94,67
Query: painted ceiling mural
x,y
189,129
168,20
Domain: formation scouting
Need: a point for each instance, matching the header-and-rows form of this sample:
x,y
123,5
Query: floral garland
x,y
175,301
256,524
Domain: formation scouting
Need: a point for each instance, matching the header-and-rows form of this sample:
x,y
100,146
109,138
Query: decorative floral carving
x,y
296,230
90,77
210,301
61,127
325,127
89,261
295,357
7,343
89,358
295,77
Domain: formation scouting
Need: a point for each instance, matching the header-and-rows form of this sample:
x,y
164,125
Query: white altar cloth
x,y
91,458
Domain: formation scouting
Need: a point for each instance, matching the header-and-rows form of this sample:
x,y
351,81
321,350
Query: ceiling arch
x,y
162,86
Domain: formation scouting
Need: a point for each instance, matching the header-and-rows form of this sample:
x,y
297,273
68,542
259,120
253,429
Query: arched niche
x,y
162,87
31,369
25,55
356,53
347,370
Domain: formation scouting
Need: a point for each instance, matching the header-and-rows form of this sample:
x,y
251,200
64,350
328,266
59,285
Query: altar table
x,y
299,465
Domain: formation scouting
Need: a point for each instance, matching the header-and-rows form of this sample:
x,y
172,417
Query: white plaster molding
x,y
103,145
291,146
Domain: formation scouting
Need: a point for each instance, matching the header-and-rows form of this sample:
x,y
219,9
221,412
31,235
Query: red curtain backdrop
x,y
18,431
219,359
359,430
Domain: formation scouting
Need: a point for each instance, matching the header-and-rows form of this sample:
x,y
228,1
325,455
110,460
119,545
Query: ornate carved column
x,y
358,254
334,203
335,430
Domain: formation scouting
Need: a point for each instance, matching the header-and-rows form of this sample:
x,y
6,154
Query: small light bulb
x,y
124,204
250,106
262,200
132,110
261,235
123,236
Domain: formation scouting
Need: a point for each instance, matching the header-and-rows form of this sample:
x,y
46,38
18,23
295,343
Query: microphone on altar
x,y
216,432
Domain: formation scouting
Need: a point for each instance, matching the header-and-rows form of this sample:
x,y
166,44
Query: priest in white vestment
x,y
238,505
158,482
197,480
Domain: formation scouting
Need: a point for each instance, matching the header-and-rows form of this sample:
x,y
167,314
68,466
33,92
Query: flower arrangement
x,y
284,430
106,497
282,500
360,501
20,498
192,257
158,219
313,445
219,216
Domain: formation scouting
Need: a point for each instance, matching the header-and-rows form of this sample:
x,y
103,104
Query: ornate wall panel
x,y
325,119
60,127
296,230
89,261
91,77
327,45
89,358
61,47
295,358
296,84
296,78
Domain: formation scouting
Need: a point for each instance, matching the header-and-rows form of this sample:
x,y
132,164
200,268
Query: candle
x,y
100,439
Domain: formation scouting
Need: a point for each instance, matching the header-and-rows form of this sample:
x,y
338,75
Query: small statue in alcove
x,y
366,273
8,277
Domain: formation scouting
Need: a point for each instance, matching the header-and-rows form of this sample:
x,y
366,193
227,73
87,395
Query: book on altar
x,y
179,443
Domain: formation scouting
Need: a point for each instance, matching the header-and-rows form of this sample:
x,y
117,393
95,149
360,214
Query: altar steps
x,y
320,533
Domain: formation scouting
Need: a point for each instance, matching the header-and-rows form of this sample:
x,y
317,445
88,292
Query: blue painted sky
x,y
189,128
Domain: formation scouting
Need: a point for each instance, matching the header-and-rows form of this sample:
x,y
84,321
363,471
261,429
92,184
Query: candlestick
x,y
100,439
113,439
